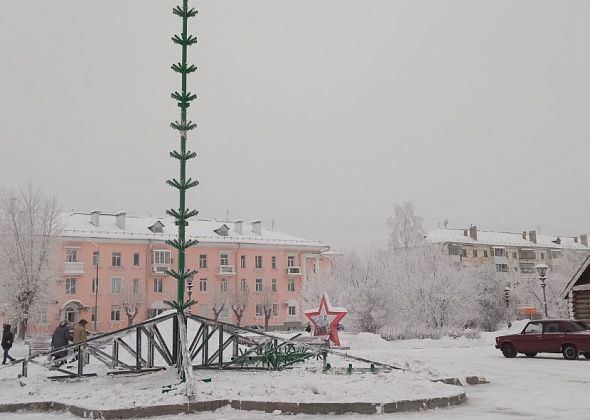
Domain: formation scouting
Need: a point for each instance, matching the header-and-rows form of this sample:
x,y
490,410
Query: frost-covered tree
x,y
490,308
333,282
29,230
239,300
405,227
432,289
219,301
267,299
131,299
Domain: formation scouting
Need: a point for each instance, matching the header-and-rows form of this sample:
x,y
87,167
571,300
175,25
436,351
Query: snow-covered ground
x,y
546,387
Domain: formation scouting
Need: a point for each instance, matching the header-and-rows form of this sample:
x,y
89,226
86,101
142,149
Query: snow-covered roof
x,y
78,225
447,235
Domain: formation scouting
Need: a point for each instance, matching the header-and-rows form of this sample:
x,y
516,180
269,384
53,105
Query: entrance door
x,y
530,339
72,313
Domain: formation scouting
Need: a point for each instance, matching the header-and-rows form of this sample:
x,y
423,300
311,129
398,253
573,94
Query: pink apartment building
x,y
128,255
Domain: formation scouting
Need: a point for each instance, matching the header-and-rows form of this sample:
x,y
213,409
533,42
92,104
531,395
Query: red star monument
x,y
325,319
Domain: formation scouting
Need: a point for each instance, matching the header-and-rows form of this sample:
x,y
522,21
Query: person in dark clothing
x,y
7,339
60,338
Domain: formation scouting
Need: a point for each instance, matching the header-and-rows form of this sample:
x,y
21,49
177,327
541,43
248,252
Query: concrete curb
x,y
264,406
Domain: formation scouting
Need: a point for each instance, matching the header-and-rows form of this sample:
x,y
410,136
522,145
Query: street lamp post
x,y
189,287
542,270
506,298
96,256
506,295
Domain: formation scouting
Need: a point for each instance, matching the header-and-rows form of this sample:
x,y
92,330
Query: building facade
x,y
513,253
114,265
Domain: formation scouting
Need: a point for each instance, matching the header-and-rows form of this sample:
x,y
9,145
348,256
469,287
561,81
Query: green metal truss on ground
x,y
182,214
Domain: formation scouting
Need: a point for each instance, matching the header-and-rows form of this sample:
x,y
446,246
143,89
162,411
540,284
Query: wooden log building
x,y
577,292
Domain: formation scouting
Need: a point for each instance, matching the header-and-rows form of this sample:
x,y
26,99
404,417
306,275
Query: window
x,y
162,257
116,285
223,285
542,255
223,259
259,310
485,253
273,262
93,314
514,255
533,328
290,261
555,254
71,286
203,285
94,285
258,262
42,315
202,261
464,253
135,286
158,285
455,249
275,309
527,268
273,285
474,253
552,327
243,285
499,252
526,254
115,313
502,268
95,258
224,313
292,311
136,260
291,285
259,285
243,261
71,255
116,259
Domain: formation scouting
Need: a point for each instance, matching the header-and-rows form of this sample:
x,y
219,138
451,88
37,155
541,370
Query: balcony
x,y
294,271
226,270
160,269
74,268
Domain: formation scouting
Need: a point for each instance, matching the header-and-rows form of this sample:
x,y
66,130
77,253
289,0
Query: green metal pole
x,y
182,214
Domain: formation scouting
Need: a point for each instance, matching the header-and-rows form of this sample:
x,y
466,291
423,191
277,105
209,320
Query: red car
x,y
548,336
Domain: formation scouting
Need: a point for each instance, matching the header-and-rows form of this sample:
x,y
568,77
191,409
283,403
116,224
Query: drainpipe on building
x,y
96,285
147,271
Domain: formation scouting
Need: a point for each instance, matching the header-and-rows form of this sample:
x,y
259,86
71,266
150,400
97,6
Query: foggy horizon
x,y
317,115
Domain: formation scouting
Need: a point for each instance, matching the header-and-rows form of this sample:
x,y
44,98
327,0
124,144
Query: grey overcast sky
x,y
318,114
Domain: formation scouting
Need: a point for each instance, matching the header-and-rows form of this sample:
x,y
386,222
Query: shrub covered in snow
x,y
391,333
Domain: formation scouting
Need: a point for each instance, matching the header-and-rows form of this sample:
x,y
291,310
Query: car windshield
x,y
533,328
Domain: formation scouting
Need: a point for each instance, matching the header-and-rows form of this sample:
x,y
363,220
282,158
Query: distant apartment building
x,y
108,259
509,252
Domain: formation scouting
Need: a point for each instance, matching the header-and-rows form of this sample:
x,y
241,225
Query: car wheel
x,y
587,355
508,350
570,352
530,354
